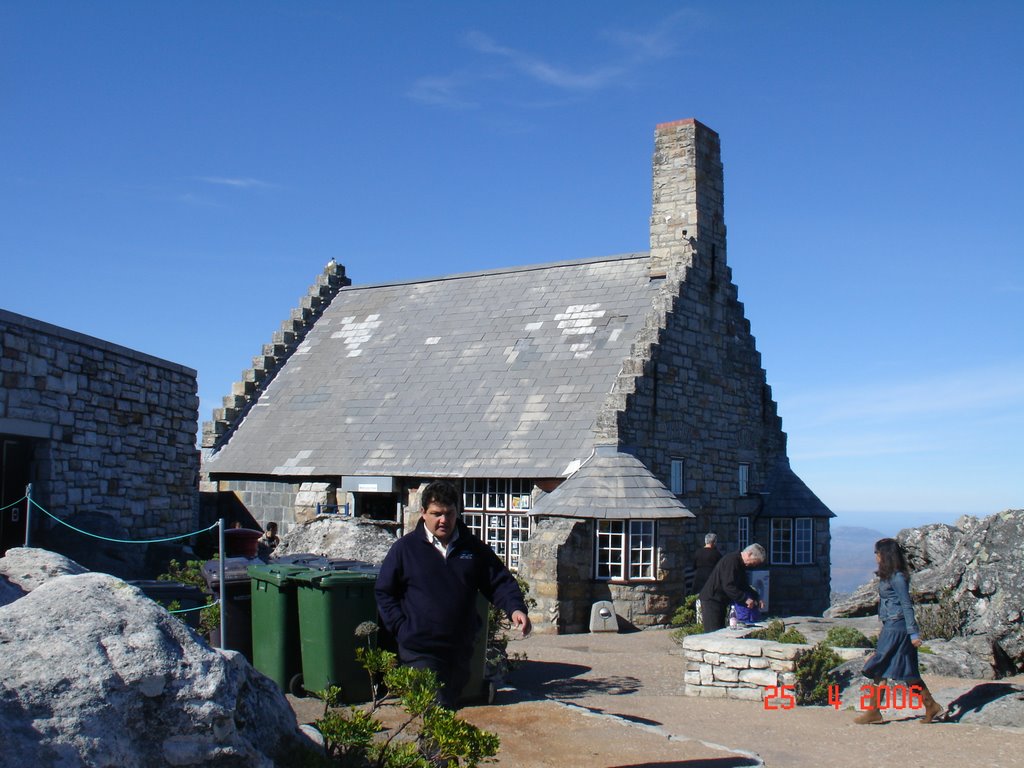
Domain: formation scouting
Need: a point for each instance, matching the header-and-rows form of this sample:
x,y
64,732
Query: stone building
x,y
600,415
105,435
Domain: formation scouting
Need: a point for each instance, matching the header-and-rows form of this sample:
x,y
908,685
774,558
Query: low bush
x,y
814,674
685,620
776,632
422,735
848,637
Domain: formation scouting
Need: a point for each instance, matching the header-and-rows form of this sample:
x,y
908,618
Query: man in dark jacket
x,y
728,583
428,586
704,562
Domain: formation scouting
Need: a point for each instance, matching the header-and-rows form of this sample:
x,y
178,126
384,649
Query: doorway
x,y
15,475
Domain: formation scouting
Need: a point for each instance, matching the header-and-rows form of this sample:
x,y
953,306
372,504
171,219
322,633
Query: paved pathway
x,y
615,701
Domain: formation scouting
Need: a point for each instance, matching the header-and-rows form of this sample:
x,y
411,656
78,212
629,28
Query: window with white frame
x,y
495,510
782,541
677,480
803,549
744,479
497,494
743,532
626,550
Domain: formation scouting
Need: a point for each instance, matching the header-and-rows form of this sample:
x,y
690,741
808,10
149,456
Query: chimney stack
x,y
687,215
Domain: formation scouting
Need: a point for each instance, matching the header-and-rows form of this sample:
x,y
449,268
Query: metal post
x,y
223,590
28,514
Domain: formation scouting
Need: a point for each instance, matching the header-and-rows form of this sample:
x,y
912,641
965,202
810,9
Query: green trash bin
x,y
478,689
275,623
331,605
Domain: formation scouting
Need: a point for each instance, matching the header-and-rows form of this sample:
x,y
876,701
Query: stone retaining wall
x,y
725,665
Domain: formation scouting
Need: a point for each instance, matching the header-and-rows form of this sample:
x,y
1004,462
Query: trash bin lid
x,y
235,570
302,558
327,579
277,575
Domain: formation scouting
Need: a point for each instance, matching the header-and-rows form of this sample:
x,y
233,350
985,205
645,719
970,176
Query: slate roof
x,y
788,496
611,485
490,374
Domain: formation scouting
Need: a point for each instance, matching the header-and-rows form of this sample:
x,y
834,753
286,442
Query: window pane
x,y
782,541
475,522
610,549
473,494
743,532
641,549
804,554
518,532
520,491
496,535
744,479
497,494
677,476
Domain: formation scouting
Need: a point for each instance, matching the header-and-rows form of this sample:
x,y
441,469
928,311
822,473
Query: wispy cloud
x,y
243,182
543,71
443,91
625,53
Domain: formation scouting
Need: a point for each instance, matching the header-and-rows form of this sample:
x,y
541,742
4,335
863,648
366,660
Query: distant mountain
x,y
853,556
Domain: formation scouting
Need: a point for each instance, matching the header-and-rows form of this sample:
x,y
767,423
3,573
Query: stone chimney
x,y
687,215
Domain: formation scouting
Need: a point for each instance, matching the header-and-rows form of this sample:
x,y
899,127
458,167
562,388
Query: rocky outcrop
x,y
973,575
94,673
338,537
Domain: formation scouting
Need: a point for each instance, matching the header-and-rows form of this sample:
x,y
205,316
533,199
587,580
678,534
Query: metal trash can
x,y
276,651
166,592
331,605
237,610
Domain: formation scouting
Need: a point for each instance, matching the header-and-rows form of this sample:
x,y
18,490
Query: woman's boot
x,y
932,709
871,714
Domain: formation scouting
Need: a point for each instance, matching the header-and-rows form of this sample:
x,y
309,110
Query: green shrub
x,y
499,662
848,637
776,632
426,736
814,674
685,620
191,573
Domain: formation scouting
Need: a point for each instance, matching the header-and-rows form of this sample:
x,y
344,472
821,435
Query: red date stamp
x,y
898,696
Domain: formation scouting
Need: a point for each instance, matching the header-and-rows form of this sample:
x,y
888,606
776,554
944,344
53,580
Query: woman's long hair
x,y
890,559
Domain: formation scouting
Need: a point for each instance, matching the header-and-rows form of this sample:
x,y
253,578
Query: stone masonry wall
x,y
113,430
559,558
693,387
723,665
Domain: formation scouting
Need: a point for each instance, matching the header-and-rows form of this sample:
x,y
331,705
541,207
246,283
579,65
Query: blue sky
x,y
173,176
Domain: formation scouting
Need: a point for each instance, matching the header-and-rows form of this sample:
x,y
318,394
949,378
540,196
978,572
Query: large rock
x,y
31,567
94,673
992,704
338,537
976,566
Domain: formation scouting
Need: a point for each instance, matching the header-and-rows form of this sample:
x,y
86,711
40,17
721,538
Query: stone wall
x,y
558,561
112,430
723,665
693,387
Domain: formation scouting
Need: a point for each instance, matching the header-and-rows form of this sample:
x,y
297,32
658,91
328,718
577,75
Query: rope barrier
x,y
12,504
120,541
197,608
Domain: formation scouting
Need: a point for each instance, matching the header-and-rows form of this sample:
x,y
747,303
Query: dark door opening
x,y
15,475
377,506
